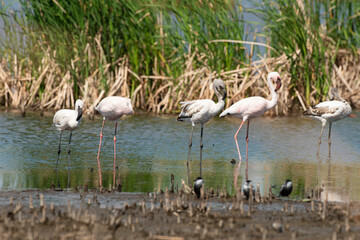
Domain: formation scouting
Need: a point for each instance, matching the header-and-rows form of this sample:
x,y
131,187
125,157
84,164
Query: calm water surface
x,y
151,148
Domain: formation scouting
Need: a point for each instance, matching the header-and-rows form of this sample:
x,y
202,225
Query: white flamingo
x,y
200,112
112,108
329,111
67,119
249,108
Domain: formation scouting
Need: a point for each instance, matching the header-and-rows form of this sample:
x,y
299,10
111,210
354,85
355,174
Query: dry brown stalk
x,y
20,86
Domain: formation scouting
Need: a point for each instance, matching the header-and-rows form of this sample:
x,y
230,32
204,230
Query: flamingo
x,y
200,112
112,108
249,108
329,111
67,119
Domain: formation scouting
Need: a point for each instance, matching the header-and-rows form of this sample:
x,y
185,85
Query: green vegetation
x,y
161,52
156,38
310,34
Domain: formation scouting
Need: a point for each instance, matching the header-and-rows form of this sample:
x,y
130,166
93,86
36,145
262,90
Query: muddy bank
x,y
112,215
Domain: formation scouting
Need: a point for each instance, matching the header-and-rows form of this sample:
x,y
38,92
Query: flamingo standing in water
x,y
249,108
112,108
329,111
200,112
67,119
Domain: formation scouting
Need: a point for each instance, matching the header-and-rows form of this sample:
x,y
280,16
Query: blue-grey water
x,y
151,147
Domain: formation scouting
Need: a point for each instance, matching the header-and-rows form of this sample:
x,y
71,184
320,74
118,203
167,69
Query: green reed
x,y
156,37
310,33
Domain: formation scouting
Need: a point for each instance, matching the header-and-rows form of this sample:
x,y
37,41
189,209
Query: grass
x,y
159,53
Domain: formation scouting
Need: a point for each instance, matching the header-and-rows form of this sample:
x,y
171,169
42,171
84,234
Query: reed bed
x,y
163,56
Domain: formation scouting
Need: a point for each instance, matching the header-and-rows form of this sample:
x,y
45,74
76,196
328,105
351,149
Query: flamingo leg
x,y
321,133
247,145
188,159
237,168
201,147
57,162
114,155
69,160
329,139
98,155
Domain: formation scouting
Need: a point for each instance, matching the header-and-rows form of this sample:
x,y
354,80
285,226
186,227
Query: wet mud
x,y
49,214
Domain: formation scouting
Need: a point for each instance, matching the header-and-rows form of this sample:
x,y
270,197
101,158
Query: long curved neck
x,y
274,96
219,105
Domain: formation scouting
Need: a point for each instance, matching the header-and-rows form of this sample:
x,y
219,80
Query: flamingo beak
x,y
224,93
278,84
79,114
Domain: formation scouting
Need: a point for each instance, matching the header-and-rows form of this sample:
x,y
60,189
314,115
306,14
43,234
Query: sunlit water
x,y
151,148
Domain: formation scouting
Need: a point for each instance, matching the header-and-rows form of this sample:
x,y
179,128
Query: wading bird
x,y
249,108
286,188
67,119
112,108
200,112
329,111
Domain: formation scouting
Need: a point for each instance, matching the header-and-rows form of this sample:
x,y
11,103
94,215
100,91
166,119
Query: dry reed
x,y
20,89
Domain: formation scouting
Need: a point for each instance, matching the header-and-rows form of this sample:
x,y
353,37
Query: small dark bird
x,y
233,161
286,188
198,183
246,189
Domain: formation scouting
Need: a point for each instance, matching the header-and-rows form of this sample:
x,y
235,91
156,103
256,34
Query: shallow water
x,y
151,148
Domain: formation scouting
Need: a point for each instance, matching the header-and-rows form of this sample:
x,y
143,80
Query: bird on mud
x,y
112,108
198,184
249,108
329,111
246,189
200,112
67,119
286,188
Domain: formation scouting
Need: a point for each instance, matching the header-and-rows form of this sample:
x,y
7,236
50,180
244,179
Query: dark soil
x,y
112,215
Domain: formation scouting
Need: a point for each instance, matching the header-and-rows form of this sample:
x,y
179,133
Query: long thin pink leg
x,y
247,145
114,155
98,155
237,168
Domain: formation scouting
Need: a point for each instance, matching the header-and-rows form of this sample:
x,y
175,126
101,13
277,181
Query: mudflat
x,y
49,214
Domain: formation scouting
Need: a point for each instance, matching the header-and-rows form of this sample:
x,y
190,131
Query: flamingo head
x,y
275,77
79,105
219,88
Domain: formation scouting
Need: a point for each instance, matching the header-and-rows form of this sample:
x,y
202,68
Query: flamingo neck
x,y
219,105
274,96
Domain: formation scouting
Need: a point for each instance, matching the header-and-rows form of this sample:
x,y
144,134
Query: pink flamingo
x,y
112,108
249,108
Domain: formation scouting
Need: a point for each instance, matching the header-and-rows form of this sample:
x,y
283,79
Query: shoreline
x,y
113,215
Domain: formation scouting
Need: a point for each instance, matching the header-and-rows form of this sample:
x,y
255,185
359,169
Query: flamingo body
x,y
113,107
199,111
249,108
329,111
